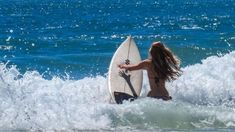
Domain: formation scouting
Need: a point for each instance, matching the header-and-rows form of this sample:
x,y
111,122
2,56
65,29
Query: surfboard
x,y
120,89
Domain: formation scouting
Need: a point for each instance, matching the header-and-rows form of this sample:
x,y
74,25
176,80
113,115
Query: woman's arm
x,y
141,65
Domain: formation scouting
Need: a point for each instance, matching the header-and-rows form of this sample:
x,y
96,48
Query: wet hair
x,y
165,63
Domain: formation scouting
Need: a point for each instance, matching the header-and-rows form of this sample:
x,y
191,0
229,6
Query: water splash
x,y
211,82
202,98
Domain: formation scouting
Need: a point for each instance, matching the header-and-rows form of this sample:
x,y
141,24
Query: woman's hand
x,y
121,66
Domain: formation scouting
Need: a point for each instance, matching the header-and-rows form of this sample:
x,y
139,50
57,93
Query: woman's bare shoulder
x,y
146,62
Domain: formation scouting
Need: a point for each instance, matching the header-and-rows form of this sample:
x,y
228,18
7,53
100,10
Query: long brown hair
x,y
165,63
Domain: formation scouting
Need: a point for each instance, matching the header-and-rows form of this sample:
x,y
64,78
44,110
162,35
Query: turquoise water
x,y
54,58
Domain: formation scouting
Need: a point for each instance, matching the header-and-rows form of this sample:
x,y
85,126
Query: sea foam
x,y
202,97
211,82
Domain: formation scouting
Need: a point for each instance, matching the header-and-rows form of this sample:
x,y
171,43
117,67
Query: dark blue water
x,y
79,37
54,55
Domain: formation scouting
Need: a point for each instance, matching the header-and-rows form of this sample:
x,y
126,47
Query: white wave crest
x,y
202,97
212,82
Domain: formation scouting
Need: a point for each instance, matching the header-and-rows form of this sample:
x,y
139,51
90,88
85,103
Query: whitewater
x,y
203,98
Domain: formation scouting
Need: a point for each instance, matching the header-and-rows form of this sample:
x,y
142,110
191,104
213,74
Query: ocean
x,y
55,54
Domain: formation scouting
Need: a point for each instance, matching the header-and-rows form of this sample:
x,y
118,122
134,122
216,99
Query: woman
x,y
162,66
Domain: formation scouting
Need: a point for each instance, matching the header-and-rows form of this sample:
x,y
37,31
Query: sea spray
x,y
201,99
32,102
211,83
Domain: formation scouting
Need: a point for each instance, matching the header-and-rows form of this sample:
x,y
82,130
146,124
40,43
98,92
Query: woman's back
x,y
157,84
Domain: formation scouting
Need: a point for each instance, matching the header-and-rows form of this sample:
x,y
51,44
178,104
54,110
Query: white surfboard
x,y
126,51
